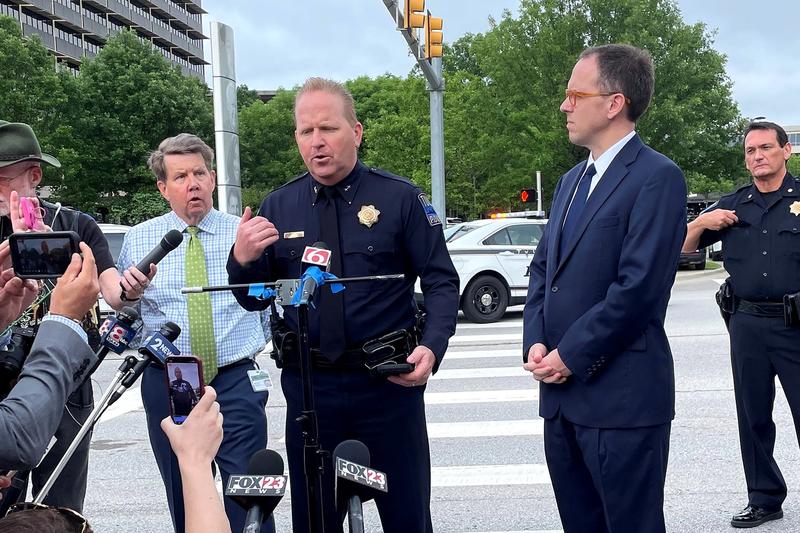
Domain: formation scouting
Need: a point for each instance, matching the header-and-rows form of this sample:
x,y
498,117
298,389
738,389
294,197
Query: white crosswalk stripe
x,y
484,428
489,475
482,396
475,373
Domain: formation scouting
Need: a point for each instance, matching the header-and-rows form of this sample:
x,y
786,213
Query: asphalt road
x,y
486,446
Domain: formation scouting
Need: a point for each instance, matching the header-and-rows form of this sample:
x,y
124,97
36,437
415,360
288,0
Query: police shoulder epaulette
x,y
389,175
292,180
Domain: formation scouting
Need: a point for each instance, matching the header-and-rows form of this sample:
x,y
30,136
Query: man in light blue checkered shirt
x,y
182,166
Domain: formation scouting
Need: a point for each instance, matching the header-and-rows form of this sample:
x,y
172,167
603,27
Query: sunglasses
x,y
72,516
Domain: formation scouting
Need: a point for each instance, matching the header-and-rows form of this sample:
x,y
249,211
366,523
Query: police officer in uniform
x,y
759,226
374,223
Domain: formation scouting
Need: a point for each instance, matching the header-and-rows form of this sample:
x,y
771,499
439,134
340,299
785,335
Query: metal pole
x,y
226,121
437,142
539,191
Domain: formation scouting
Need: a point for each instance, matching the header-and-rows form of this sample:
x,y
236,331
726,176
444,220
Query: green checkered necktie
x,y
201,321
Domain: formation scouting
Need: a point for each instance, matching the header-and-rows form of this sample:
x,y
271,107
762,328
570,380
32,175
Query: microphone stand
x,y
313,455
126,375
355,514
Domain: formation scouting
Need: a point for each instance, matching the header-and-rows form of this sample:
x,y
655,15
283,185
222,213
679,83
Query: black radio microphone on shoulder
x,y
171,240
260,491
355,482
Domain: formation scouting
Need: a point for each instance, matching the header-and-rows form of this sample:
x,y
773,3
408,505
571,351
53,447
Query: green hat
x,y
18,143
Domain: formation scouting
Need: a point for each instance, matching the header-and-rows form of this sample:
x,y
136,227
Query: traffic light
x,y
413,16
433,36
527,195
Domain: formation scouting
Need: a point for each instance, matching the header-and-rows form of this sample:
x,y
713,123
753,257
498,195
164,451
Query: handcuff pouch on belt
x,y
791,309
390,349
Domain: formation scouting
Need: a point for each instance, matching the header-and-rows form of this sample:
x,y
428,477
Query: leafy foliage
x,y
502,118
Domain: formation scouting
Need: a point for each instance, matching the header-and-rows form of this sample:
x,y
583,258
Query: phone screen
x,y
184,385
42,255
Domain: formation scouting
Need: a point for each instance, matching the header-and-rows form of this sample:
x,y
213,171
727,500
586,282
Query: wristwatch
x,y
124,297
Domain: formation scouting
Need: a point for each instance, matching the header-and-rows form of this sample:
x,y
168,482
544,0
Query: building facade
x,y
794,138
74,29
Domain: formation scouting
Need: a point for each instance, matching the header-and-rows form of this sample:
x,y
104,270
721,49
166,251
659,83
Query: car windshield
x,y
115,244
456,232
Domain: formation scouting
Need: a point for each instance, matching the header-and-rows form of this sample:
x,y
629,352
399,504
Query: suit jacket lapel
x,y
559,211
610,180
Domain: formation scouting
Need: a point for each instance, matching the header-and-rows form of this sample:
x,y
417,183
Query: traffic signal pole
x,y
437,143
429,59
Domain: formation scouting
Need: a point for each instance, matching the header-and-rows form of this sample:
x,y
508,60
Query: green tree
x,y
793,164
130,98
518,71
269,155
32,90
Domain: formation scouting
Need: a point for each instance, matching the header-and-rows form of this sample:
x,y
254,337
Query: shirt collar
x,y
788,188
602,163
209,223
347,187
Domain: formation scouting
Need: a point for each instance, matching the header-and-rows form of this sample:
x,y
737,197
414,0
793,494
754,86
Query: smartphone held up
x,y
184,376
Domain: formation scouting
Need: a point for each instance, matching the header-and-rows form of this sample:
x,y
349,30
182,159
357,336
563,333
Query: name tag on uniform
x,y
294,234
259,380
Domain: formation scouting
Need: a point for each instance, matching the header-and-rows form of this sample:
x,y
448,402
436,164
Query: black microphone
x,y
356,482
260,490
171,240
152,348
310,285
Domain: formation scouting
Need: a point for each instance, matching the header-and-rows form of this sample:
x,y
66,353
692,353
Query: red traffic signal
x,y
527,195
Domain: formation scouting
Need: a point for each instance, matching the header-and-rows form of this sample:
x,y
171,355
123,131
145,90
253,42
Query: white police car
x,y
492,258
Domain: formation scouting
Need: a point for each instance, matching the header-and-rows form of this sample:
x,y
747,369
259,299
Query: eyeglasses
x,y
6,180
573,95
73,516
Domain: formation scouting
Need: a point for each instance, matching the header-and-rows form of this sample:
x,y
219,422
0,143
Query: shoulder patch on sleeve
x,y
430,212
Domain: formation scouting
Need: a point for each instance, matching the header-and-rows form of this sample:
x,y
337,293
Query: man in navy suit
x,y
594,319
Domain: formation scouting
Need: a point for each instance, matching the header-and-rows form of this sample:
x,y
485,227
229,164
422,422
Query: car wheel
x,y
700,266
485,300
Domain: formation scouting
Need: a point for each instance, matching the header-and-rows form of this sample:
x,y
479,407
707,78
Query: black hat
x,y
18,143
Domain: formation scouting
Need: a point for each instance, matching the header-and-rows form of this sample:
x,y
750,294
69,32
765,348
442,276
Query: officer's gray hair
x,y
331,87
183,143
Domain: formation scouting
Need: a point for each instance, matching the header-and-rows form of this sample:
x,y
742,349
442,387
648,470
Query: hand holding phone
x,y
43,255
184,376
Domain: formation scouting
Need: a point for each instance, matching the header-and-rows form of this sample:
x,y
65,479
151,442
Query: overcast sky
x,y
280,44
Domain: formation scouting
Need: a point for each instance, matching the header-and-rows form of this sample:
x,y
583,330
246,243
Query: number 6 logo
x,y
316,256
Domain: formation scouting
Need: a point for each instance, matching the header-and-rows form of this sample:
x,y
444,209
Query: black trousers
x,y
607,480
762,348
389,419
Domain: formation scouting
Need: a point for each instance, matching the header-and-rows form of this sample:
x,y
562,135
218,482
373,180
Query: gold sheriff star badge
x,y
795,209
368,215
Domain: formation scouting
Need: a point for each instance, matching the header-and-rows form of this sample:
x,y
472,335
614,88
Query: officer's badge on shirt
x,y
368,215
430,212
795,209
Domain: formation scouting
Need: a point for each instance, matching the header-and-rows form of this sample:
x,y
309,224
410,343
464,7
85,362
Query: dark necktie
x,y
575,210
330,307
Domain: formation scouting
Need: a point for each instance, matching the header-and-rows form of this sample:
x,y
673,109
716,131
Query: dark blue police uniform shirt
x,y
407,238
762,251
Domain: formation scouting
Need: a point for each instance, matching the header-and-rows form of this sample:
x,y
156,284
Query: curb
x,y
698,274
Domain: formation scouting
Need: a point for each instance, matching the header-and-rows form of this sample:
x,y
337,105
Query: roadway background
x,y
489,473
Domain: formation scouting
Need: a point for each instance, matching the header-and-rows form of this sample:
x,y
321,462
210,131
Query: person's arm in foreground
x,y
195,443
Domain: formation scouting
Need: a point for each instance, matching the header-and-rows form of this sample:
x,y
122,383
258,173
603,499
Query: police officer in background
x,y
374,223
759,226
